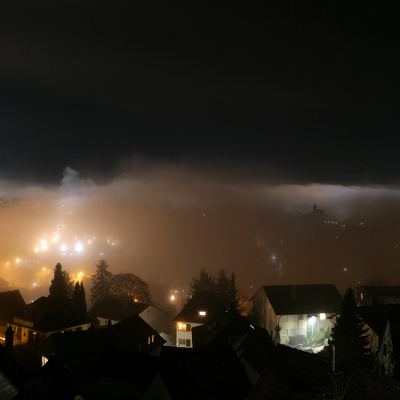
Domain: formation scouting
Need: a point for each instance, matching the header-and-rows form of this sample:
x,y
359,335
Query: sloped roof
x,y
117,309
11,304
224,325
381,291
255,347
290,373
89,344
303,299
210,302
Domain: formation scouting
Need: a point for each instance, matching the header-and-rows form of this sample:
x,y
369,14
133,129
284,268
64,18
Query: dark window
x,y
79,328
188,327
301,317
188,342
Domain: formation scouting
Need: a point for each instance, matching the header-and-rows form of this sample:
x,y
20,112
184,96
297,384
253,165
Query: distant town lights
x,y
79,247
63,247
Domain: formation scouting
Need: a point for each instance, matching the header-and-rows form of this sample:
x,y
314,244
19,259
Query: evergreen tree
x,y
348,335
233,294
58,286
79,298
222,284
100,283
69,283
204,283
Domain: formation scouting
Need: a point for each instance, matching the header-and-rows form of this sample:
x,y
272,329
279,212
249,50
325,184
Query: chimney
x,y
9,341
293,292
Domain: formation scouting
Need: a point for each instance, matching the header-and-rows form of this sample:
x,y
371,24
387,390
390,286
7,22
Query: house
x,y
201,308
375,295
11,304
225,330
253,350
78,349
115,310
383,324
299,310
45,316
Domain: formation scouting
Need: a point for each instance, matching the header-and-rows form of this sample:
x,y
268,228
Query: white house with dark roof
x,y
299,310
203,307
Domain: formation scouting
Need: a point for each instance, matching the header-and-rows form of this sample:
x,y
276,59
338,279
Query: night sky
x,y
292,92
201,134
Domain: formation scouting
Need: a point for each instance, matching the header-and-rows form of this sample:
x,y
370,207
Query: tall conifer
x,y
348,335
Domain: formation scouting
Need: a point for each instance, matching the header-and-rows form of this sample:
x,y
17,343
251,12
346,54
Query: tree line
x,y
125,286
221,284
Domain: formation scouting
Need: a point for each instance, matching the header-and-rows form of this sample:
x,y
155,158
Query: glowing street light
x,y
79,247
63,247
44,247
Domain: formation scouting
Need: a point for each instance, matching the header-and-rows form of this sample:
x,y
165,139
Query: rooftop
x,y
303,299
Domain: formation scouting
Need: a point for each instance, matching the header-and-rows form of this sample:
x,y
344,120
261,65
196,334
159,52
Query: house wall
x,y
264,312
26,334
186,335
300,326
386,353
156,318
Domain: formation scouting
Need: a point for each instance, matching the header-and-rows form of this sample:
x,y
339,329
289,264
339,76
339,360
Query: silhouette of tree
x,y
222,283
233,294
58,286
69,282
348,335
79,298
130,287
204,283
100,283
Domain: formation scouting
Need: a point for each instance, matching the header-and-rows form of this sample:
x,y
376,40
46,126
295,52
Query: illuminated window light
x,y
202,313
322,316
172,297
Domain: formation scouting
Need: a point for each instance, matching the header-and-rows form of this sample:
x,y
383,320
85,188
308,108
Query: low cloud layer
x,y
170,221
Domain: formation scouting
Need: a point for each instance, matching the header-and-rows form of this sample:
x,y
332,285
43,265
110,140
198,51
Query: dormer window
x,y
202,313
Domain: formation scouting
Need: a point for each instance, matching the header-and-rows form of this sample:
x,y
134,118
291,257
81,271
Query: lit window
x,y
292,318
152,338
183,327
202,313
284,318
148,340
292,332
322,316
44,360
283,332
362,296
